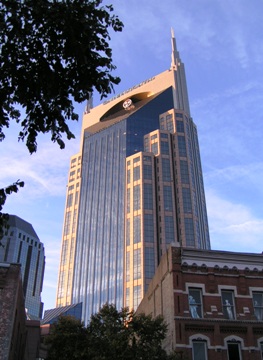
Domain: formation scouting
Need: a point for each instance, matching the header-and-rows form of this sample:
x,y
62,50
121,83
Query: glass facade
x,y
164,193
22,245
99,265
140,189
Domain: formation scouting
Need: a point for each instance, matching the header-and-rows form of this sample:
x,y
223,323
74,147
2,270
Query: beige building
x,y
138,151
163,201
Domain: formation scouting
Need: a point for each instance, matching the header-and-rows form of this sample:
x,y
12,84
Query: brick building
x,y
212,302
12,313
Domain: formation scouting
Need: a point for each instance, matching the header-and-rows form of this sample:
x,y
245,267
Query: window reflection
x,y
195,303
258,305
228,304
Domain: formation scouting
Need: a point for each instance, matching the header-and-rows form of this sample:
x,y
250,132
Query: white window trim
x,y
201,300
227,288
233,338
199,338
234,302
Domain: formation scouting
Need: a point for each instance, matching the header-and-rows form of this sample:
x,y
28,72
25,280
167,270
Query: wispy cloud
x,y
247,175
233,226
245,91
44,172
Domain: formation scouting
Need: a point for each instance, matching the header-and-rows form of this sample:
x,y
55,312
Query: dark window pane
x,y
233,351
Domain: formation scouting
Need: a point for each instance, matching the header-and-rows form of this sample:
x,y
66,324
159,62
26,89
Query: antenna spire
x,y
175,53
89,104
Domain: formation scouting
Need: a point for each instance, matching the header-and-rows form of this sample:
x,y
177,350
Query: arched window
x,y
233,350
260,347
199,349
234,344
199,344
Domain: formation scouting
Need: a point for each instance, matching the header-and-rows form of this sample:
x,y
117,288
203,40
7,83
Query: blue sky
x,y
220,43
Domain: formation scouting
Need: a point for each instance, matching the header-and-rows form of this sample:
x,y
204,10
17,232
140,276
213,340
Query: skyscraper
x,y
135,187
21,245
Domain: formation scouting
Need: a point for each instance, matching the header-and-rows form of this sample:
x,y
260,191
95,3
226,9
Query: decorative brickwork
x,y
212,302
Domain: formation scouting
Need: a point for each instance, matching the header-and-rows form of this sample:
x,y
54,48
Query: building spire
x,y
175,54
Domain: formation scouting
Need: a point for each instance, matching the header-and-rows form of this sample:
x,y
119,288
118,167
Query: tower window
x,y
166,170
128,200
136,296
149,262
181,145
169,229
137,264
136,173
69,200
179,126
136,197
187,201
148,196
148,228
128,266
164,148
184,172
189,232
147,172
137,229
168,199
164,136
154,148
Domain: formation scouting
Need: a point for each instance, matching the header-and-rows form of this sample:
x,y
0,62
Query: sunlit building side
x,y
135,187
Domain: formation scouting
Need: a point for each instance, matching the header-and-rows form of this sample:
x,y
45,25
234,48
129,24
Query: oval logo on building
x,y
127,104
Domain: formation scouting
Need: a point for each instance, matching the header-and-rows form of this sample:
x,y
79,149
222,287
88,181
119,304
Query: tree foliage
x,y
3,195
67,339
53,52
111,334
